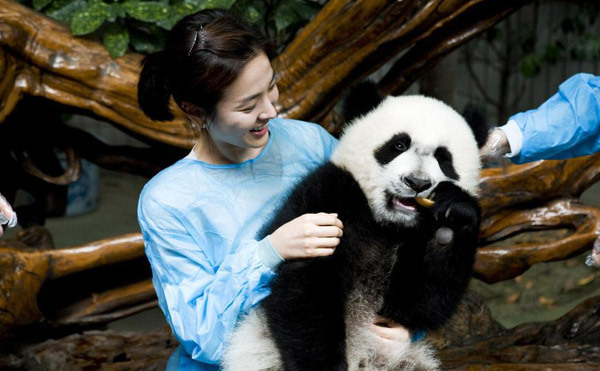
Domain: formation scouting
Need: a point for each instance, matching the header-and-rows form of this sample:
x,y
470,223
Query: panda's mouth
x,y
403,203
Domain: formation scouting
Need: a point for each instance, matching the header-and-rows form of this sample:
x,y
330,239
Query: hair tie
x,y
201,32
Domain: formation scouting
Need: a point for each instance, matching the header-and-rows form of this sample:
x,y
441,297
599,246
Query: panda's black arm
x,y
305,310
424,296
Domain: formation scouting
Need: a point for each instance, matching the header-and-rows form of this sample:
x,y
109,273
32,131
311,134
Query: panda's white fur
x,y
430,124
251,347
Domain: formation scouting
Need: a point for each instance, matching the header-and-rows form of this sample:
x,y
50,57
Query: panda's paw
x,y
455,209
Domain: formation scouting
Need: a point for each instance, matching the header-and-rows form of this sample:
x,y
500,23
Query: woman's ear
x,y
193,110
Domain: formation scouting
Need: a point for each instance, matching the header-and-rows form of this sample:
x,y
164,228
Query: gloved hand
x,y
496,145
7,215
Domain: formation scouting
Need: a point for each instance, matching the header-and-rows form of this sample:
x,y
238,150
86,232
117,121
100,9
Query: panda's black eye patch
x,y
444,159
391,149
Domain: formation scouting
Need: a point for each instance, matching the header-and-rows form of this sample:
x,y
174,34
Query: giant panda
x,y
397,258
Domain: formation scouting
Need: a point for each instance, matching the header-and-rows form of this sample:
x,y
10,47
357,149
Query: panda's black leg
x,y
305,313
316,343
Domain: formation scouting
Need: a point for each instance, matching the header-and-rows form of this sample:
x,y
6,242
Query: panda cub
x,y
397,258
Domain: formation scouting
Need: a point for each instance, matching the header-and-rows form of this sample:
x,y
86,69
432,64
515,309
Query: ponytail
x,y
153,88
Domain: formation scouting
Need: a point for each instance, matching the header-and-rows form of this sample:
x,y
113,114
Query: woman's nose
x,y
268,111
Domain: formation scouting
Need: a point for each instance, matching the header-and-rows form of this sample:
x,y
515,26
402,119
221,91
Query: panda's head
x,y
402,147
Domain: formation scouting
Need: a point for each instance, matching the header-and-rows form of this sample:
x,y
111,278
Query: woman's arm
x,y
201,299
566,125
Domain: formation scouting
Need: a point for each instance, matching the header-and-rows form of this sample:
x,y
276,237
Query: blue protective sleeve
x,y
566,125
202,300
199,222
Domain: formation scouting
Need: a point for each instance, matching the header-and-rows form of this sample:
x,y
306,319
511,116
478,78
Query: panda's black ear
x,y
478,123
361,98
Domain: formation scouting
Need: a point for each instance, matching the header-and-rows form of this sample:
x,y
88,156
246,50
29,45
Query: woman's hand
x,y
388,331
496,146
307,236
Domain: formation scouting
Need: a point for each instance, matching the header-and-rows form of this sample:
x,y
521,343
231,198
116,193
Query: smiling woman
x,y
239,127
200,216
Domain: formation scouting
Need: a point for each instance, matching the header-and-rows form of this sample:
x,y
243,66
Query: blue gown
x,y
199,223
566,125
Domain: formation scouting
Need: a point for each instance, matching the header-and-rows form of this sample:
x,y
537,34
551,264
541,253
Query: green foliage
x,y
116,39
89,19
531,64
290,13
280,19
142,25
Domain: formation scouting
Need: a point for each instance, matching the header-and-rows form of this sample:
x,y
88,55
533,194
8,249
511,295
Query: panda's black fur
x,y
405,273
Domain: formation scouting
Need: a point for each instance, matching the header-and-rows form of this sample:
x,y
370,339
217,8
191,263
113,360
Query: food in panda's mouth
x,y
424,201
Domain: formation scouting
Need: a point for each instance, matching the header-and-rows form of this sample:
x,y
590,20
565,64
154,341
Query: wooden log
x,y
347,41
105,350
108,306
571,342
25,270
498,263
521,186
40,57
536,196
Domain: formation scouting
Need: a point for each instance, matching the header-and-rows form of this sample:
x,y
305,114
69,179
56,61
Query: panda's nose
x,y
418,184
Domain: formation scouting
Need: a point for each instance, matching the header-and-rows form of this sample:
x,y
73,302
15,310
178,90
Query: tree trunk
x,y
345,42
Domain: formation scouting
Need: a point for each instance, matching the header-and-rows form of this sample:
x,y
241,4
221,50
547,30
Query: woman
x,y
200,216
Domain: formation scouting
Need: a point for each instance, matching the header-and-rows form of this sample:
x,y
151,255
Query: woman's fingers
x,y
391,333
322,251
328,231
323,242
389,329
383,332
327,219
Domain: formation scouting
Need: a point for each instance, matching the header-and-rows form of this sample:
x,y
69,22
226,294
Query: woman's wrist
x,y
513,138
267,254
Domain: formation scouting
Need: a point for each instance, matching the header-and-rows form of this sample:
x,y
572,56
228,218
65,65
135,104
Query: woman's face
x,y
239,124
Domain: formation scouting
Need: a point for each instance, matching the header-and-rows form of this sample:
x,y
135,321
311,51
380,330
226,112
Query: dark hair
x,y
205,52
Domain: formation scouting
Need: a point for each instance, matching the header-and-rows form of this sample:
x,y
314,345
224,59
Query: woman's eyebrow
x,y
254,96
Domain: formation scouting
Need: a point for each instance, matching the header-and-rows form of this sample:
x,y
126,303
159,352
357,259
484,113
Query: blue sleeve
x,y
566,125
201,299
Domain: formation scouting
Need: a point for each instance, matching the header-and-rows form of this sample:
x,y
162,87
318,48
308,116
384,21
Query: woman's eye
x,y
249,109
